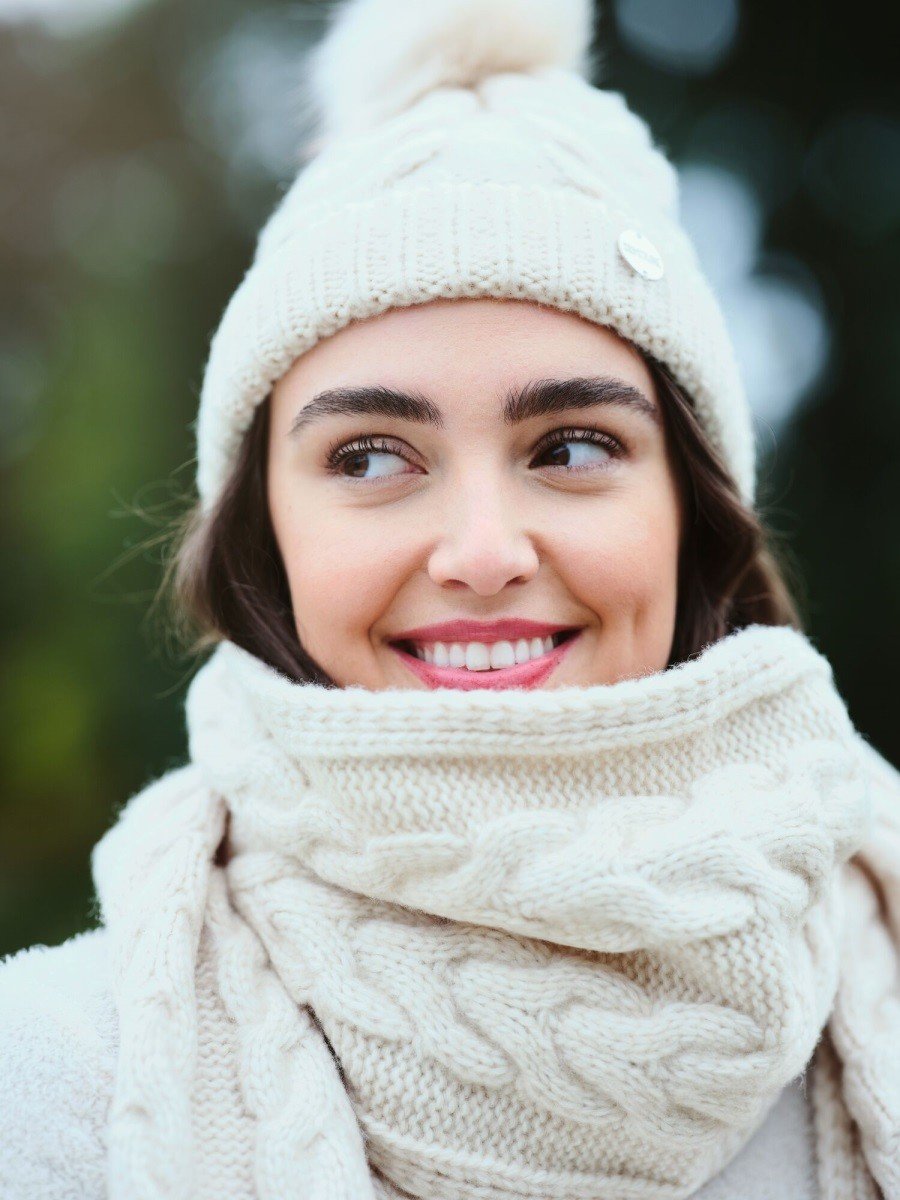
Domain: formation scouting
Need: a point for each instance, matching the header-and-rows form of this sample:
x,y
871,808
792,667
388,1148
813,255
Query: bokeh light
x,y
773,306
67,17
693,36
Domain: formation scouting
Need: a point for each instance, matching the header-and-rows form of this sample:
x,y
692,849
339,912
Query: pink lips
x,y
523,675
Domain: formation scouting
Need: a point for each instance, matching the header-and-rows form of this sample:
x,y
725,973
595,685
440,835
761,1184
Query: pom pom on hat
x,y
379,56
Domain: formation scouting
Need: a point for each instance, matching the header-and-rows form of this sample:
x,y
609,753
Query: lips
x,y
524,675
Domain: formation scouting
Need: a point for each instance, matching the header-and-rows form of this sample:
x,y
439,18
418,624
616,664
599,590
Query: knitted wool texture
x,y
563,943
462,153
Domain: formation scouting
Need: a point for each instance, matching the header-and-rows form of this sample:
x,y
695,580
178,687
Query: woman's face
x,y
433,464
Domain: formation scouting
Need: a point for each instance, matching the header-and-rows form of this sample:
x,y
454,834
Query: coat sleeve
x,y
58,1046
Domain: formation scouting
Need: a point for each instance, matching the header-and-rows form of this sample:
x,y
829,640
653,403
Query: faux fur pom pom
x,y
379,56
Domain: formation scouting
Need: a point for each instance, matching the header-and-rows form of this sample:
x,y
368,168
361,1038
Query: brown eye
x,y
355,454
557,446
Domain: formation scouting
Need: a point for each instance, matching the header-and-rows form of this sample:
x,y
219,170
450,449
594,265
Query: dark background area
x,y
140,152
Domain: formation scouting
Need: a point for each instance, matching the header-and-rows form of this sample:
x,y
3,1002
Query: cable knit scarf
x,y
559,943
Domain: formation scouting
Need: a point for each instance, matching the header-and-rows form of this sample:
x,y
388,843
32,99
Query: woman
x,y
525,846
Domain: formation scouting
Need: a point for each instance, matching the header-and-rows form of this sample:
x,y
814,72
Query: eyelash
x,y
339,452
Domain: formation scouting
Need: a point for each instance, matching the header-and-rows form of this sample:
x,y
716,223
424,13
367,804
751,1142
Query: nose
x,y
483,543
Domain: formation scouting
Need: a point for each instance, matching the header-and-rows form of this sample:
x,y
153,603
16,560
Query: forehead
x,y
462,351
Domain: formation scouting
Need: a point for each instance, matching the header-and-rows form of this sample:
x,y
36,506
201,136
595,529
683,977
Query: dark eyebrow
x,y
538,397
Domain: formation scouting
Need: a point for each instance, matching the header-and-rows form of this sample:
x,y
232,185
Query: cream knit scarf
x,y
559,943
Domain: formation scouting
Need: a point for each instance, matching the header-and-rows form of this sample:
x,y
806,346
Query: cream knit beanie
x,y
462,152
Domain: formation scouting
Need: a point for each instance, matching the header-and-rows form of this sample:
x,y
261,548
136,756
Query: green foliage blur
x,y
139,157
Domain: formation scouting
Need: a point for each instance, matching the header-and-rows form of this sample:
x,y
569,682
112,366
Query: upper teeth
x,y
483,656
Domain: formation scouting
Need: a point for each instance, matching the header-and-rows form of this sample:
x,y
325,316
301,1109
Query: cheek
x,y
338,578
624,557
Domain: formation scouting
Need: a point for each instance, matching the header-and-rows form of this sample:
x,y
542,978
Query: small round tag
x,y
640,254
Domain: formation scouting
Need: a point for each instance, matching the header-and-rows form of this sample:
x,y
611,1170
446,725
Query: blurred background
x,y
142,145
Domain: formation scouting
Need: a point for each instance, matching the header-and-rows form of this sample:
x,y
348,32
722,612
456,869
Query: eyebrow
x,y
538,397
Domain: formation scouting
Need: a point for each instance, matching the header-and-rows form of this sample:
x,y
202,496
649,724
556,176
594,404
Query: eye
x,y
581,459
354,455
367,459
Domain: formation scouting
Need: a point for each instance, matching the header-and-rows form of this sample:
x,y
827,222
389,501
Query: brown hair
x,y
224,576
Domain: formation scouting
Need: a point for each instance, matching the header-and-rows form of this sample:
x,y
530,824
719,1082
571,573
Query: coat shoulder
x,y
58,1047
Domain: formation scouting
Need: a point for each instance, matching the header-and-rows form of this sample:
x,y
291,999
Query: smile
x,y
524,663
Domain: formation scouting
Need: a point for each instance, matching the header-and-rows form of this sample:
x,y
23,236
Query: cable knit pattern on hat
x,y
463,152
562,943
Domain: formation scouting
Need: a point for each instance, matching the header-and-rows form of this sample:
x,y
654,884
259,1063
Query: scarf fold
x,y
557,943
